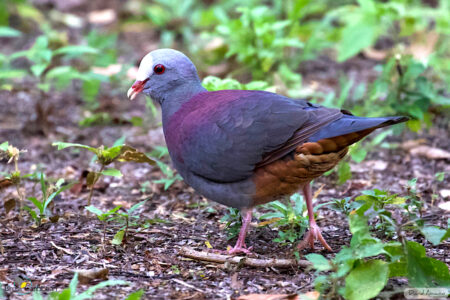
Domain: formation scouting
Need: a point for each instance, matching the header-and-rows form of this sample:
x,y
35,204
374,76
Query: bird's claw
x,y
239,249
312,235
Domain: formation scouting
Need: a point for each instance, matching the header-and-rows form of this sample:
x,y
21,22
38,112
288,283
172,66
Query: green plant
x,y
13,153
170,176
362,23
354,274
407,89
49,192
70,293
105,156
260,41
129,220
213,83
233,222
344,205
126,218
288,218
103,217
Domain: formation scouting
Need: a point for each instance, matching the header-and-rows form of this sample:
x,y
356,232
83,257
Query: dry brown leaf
x,y
407,145
87,276
109,70
444,193
430,152
4,183
445,206
9,205
102,17
376,54
423,45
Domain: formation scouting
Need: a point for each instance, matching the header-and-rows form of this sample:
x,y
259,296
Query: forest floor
x,y
150,259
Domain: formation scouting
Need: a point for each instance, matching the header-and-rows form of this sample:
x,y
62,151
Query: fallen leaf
x,y
430,152
444,193
102,17
445,206
375,54
423,45
109,70
407,145
4,183
87,276
9,205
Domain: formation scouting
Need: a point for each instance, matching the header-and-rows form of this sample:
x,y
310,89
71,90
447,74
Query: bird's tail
x,y
346,131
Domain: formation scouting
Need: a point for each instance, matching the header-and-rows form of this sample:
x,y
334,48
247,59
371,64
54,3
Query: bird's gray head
x,y
165,73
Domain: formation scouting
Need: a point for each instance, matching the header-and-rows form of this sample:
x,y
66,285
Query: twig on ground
x,y
252,262
188,285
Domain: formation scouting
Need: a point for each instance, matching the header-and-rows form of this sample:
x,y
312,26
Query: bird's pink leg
x,y
240,244
314,230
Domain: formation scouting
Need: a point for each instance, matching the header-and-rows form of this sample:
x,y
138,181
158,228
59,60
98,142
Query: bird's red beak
x,y
136,88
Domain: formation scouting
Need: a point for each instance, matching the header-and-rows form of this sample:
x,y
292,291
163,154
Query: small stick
x,y
251,262
188,285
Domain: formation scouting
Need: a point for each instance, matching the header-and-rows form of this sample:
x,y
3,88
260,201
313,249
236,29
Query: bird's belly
x,y
286,176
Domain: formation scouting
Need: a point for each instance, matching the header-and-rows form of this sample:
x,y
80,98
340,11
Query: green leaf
x,y
73,285
9,32
425,271
358,154
136,206
366,280
94,210
112,172
319,262
62,145
90,291
344,172
110,154
135,295
433,234
439,176
75,50
10,74
36,203
356,37
118,237
4,146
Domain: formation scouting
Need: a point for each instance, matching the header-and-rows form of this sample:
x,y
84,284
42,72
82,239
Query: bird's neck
x,y
178,96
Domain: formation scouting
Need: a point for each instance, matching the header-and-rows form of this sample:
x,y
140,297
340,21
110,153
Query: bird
x,y
243,148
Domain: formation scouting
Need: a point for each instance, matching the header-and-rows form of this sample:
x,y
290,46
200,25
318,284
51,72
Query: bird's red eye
x,y
159,69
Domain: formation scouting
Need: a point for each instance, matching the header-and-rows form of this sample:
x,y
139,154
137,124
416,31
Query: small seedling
x,y
103,217
170,176
344,206
289,218
105,156
233,222
129,219
49,192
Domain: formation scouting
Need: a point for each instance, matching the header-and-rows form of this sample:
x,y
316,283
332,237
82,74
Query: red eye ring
x,y
159,69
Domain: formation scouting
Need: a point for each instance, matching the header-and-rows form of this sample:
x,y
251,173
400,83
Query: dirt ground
x,y
49,254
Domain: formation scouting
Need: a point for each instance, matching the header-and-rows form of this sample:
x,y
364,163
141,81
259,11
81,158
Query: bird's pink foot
x,y
239,249
312,235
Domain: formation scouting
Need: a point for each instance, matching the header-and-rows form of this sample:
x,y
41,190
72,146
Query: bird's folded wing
x,y
234,138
